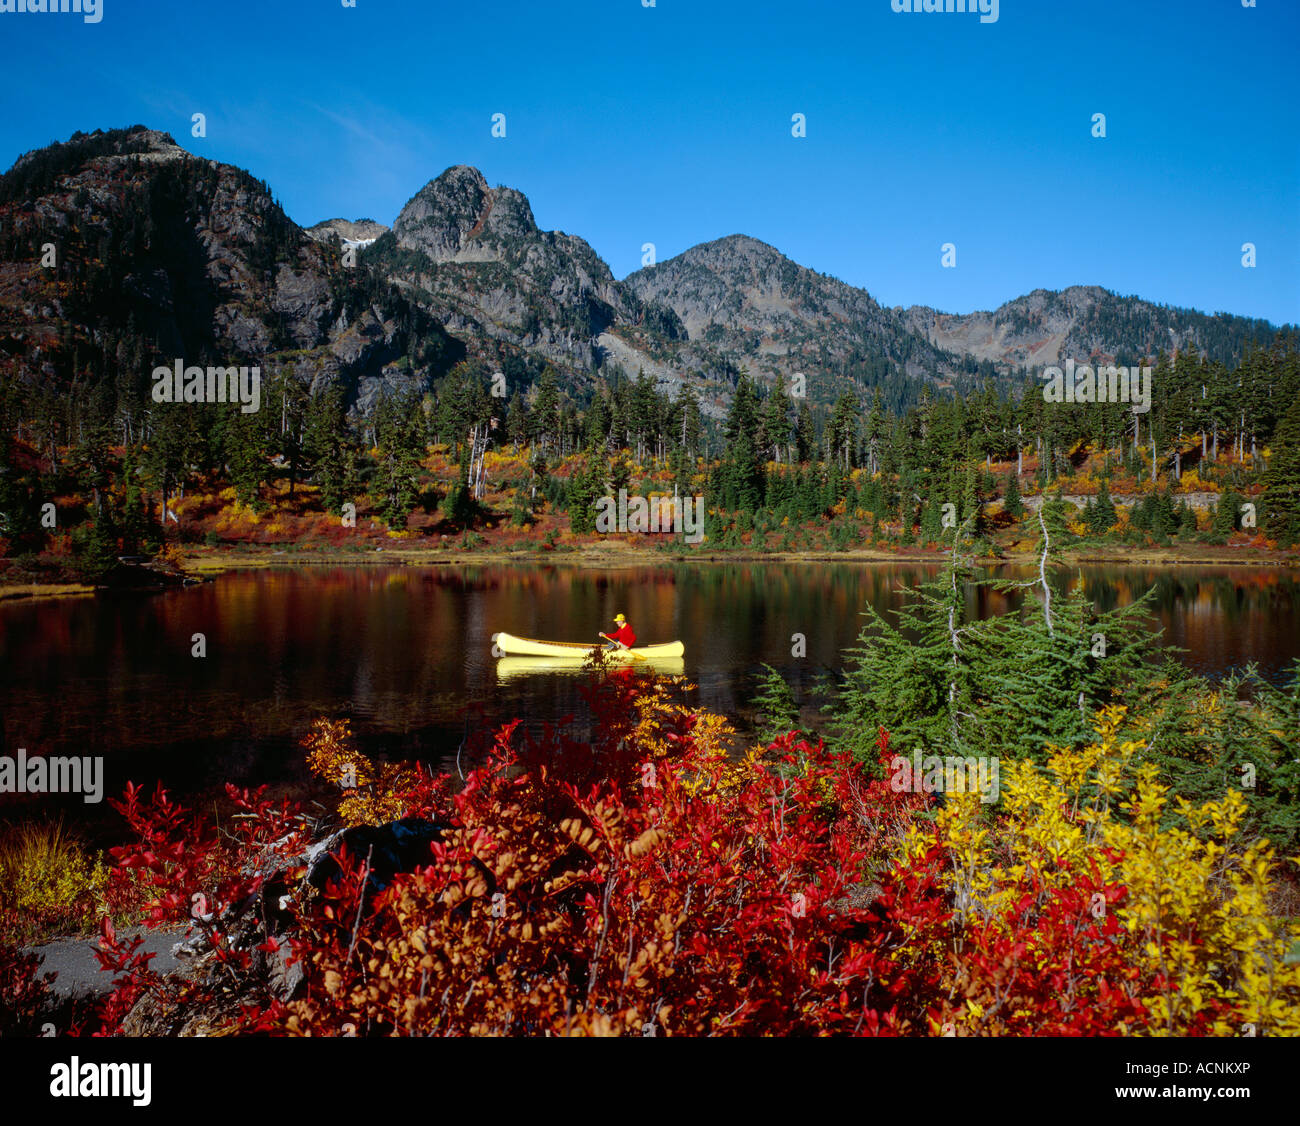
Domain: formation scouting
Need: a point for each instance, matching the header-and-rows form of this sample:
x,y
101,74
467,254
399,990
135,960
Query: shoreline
x,y
205,563
214,561
26,591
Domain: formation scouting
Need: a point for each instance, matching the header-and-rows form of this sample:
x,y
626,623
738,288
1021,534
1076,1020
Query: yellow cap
x,y
619,618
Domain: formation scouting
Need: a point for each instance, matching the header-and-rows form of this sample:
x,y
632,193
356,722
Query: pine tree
x,y
544,419
1227,513
972,504
326,444
172,449
931,527
139,531
687,410
943,681
805,433
1100,515
586,486
874,431
246,457
915,678
842,432
742,483
400,443
538,478
517,421
1011,503
620,475
776,423
459,505
777,712
1281,503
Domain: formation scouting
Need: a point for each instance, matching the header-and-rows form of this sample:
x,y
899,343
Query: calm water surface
x,y
404,651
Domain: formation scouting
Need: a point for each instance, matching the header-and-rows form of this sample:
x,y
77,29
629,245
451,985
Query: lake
x,y
402,651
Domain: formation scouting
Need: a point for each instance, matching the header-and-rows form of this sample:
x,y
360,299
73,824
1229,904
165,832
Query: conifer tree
x,y
1011,684
915,677
517,421
326,443
586,486
1044,672
400,448
742,483
459,505
805,433
776,423
842,432
777,712
1011,502
544,419
1227,513
537,479
873,433
246,458
931,528
972,503
1100,515
620,475
687,413
1281,503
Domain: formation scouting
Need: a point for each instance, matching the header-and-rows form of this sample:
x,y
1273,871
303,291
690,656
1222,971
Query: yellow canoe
x,y
508,668
528,647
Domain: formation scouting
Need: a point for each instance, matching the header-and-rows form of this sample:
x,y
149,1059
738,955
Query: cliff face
x,y
157,255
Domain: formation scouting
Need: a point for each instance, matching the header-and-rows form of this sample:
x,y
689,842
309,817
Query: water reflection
x,y
405,650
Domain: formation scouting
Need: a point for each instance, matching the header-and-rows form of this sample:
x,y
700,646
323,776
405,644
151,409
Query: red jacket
x,y
625,635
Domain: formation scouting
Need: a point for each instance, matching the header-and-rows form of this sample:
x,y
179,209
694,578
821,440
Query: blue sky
x,y
672,125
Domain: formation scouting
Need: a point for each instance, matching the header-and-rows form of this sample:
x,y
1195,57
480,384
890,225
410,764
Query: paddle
x,y
623,647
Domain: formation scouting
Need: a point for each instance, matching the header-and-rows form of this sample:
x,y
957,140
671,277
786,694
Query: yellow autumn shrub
x,y
47,879
1194,916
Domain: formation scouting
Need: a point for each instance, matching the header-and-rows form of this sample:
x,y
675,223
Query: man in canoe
x,y
623,634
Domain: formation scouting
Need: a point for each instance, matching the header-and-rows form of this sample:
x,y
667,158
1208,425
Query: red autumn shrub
x,y
1049,969
24,994
642,882
178,867
686,900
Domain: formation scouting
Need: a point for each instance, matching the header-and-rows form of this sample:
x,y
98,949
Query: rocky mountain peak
x,y
444,215
733,247
734,264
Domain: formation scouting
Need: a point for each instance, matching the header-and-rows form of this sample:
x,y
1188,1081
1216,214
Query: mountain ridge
x,y
469,263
